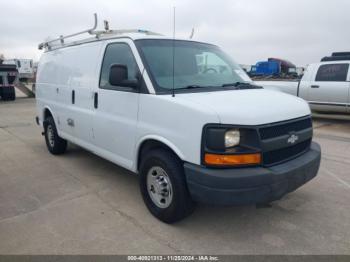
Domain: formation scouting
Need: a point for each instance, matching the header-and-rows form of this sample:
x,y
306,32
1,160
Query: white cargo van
x,y
193,130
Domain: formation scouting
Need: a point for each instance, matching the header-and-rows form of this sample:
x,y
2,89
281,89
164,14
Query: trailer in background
x,y
274,68
24,67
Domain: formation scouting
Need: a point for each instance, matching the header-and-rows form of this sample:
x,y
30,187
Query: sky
x,y
302,31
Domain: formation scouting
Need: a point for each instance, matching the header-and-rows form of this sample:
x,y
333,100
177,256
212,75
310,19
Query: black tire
x,y
181,204
55,144
8,93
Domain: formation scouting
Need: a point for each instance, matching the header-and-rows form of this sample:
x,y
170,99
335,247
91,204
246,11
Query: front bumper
x,y
244,186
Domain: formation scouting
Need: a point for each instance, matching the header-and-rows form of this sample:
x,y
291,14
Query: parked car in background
x,y
325,85
24,68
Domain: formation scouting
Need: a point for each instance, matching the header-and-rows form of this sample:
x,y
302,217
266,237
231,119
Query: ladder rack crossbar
x,y
92,31
125,31
61,38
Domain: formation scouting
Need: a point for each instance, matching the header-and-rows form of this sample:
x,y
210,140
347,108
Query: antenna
x,y
192,33
106,25
174,51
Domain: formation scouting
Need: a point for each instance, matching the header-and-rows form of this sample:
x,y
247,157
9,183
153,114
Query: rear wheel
x,y
163,186
8,93
55,144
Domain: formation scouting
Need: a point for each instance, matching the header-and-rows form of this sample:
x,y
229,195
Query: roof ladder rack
x,y
49,44
61,38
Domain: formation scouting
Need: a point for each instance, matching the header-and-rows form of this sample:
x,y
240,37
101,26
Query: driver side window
x,y
118,53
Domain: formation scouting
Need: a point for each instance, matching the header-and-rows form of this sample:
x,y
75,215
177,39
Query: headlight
x,y
230,146
232,138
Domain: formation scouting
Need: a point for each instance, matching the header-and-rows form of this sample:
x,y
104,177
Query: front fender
x,y
160,139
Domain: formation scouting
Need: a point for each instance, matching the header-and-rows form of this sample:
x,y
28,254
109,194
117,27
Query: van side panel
x,y
84,62
59,73
47,85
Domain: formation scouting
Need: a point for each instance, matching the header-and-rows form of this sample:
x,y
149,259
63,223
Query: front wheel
x,y
163,186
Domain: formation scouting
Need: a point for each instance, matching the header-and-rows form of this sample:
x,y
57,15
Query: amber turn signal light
x,y
232,160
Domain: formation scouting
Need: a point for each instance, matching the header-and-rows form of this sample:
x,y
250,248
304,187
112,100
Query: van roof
x,y
137,36
105,37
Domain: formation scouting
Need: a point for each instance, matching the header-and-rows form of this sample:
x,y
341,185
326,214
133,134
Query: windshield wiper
x,y
191,87
235,86
242,85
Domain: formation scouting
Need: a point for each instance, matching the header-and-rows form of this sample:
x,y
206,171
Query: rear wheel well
x,y
149,145
47,113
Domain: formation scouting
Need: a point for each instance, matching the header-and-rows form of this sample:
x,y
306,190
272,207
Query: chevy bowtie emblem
x,y
292,139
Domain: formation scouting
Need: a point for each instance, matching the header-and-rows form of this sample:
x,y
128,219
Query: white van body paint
x,y
124,120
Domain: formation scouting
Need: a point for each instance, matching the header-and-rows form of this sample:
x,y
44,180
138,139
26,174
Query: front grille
x,y
284,128
286,153
275,147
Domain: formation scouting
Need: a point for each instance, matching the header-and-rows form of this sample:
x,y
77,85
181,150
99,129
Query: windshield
x,y
196,65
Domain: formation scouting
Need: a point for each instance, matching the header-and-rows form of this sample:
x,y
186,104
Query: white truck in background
x,y
325,85
24,67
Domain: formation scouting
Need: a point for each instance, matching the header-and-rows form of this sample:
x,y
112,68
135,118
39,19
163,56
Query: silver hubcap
x,y
50,136
159,187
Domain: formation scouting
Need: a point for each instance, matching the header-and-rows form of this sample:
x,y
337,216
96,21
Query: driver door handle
x,y
73,97
96,100
315,86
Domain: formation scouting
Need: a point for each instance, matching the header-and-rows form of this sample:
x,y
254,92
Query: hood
x,y
250,107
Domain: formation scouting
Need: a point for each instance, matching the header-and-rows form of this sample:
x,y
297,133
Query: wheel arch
x,y
47,112
152,142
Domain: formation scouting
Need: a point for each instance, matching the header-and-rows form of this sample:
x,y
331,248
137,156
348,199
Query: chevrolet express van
x,y
179,113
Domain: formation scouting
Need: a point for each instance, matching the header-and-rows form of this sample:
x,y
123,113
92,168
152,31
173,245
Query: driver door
x,y
116,108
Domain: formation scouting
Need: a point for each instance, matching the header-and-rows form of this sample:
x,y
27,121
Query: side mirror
x,y
118,76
